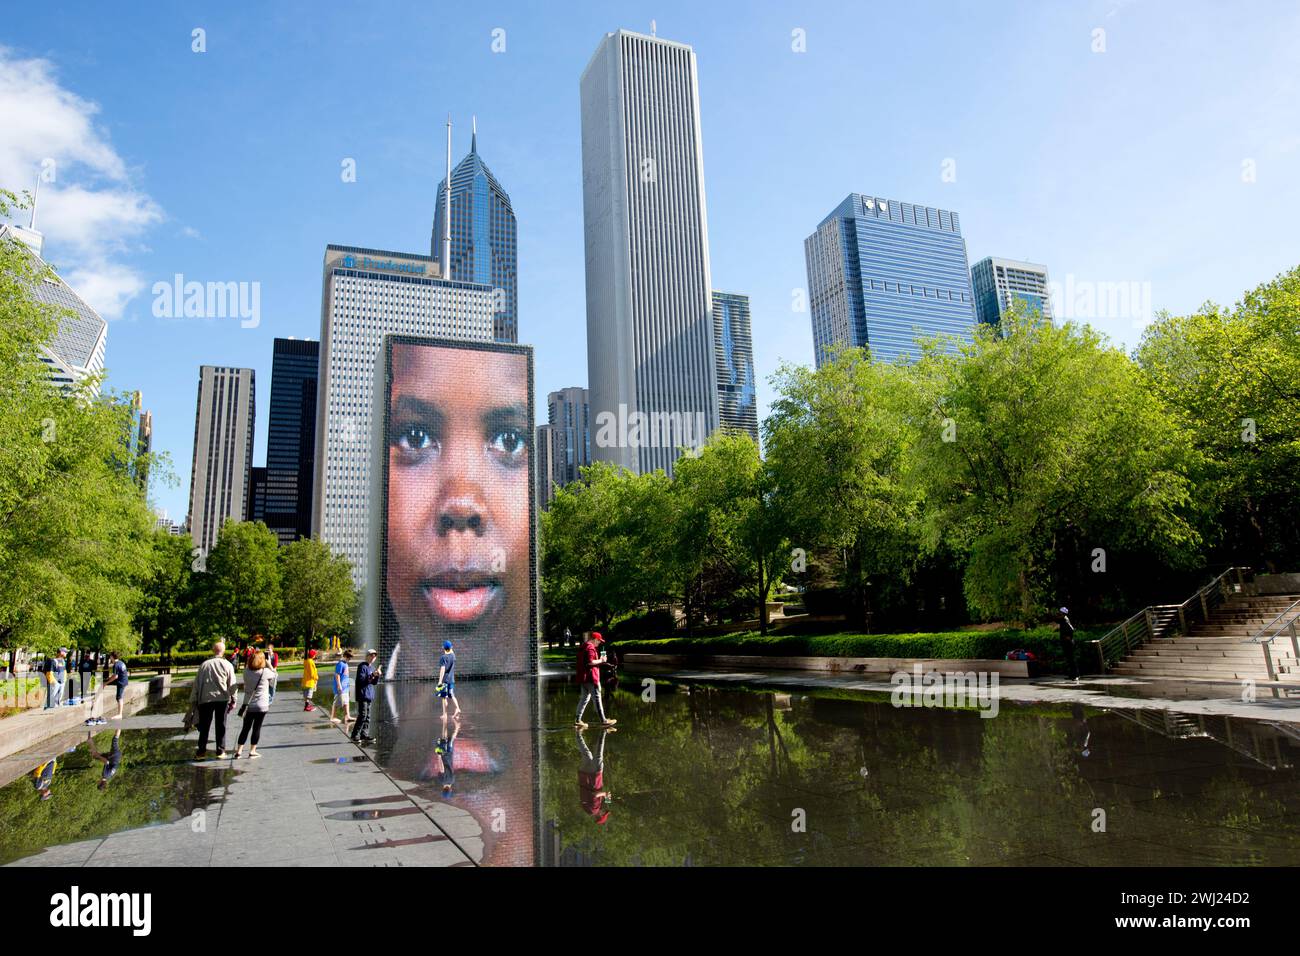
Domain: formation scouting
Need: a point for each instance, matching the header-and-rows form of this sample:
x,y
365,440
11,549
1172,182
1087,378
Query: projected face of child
x,y
459,450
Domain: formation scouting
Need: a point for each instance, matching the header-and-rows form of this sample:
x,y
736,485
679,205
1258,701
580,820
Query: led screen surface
x,y
458,556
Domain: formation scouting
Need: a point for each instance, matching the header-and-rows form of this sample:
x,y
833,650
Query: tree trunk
x,y
762,600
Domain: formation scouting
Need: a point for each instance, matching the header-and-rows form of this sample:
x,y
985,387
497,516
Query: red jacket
x,y
588,663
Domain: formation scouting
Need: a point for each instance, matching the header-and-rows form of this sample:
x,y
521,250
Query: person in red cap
x,y
589,660
591,778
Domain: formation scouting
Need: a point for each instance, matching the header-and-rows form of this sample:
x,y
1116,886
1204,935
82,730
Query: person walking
x,y
273,662
589,661
56,673
341,682
1067,643
213,694
591,777
446,688
118,677
259,685
310,677
368,675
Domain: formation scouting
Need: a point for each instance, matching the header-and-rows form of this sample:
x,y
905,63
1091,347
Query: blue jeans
x,y
53,694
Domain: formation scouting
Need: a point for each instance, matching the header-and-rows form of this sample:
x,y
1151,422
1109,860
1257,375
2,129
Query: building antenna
x,y
473,136
653,29
36,194
446,211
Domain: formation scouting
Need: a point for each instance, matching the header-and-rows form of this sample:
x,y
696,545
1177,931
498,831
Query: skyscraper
x,y
568,414
291,438
733,346
256,509
999,282
77,349
365,294
882,272
139,441
223,451
544,465
650,357
483,238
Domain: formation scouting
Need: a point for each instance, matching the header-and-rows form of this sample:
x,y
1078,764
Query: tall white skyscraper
x,y
223,451
650,352
366,294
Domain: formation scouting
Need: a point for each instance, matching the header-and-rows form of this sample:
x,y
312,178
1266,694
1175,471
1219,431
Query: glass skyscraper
x,y
733,350
999,282
568,413
291,438
883,272
483,238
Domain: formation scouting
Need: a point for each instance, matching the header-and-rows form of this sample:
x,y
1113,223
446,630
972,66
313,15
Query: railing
x,y
1274,629
1121,641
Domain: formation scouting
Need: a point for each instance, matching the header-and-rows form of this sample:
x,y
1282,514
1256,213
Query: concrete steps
x,y
1219,648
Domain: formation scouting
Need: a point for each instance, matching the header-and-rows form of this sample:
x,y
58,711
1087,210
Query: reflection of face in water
x,y
459,441
484,770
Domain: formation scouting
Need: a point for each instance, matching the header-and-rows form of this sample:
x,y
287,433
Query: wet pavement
x,y
703,769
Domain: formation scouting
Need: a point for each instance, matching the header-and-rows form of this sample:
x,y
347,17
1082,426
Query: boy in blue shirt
x,y
446,688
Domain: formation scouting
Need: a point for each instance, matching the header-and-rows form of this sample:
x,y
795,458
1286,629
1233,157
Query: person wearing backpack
x,y
589,661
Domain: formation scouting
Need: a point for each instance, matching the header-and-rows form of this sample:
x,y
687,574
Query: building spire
x,y
473,137
36,194
446,211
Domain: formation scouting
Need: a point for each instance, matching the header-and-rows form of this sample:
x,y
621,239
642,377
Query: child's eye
x,y
510,444
413,440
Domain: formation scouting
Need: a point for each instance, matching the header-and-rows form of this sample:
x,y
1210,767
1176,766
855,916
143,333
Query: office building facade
x,y
997,283
733,345
291,438
76,350
544,465
568,413
483,247
883,272
650,357
256,510
223,451
366,294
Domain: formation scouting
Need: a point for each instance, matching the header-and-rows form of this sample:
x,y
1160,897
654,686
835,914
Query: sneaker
x,y
580,725
608,722
200,755
367,739
221,755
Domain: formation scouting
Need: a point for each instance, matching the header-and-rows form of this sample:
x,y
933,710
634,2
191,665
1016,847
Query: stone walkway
x,y
313,799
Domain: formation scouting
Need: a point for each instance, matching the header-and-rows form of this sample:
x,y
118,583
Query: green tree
x,y
165,615
317,589
1035,444
726,533
837,442
241,590
1232,378
75,531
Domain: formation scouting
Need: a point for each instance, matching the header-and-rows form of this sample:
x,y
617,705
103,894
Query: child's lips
x,y
460,597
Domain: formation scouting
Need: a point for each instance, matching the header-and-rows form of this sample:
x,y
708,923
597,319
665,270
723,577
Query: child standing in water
x,y
446,688
310,676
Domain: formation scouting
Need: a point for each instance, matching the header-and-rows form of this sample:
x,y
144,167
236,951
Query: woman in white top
x,y
259,680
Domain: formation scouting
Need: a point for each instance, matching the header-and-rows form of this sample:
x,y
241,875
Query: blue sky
x,y
1169,158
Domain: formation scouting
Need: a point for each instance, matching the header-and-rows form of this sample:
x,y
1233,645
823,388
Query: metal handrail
x,y
1277,620
1119,642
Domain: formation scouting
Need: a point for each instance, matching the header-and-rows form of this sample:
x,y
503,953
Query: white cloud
x,y
89,211
189,232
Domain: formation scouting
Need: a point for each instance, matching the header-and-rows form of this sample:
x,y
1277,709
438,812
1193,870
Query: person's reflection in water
x,y
112,761
445,751
491,757
591,776
1082,732
43,777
